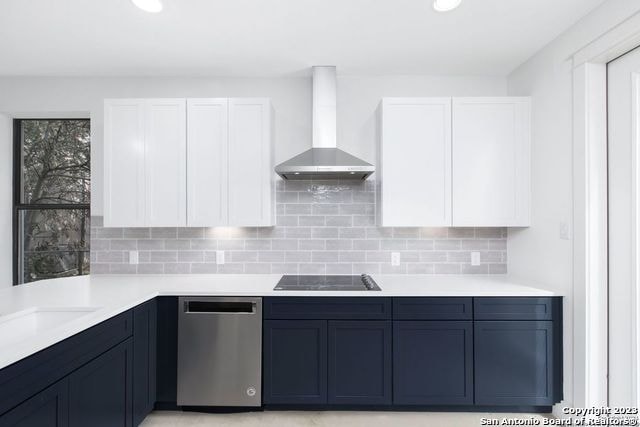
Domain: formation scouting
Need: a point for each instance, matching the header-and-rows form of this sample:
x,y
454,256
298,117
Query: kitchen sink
x,y
24,324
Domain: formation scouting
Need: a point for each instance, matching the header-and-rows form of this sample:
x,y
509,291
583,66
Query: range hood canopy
x,y
324,163
324,160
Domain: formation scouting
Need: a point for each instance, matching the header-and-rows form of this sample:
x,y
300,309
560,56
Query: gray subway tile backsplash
x,y
137,233
323,227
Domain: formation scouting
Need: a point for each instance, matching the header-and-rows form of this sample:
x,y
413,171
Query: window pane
x,y
55,161
53,243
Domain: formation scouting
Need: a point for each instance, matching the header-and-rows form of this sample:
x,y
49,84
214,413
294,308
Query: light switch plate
x,y
475,258
133,257
219,257
395,259
565,233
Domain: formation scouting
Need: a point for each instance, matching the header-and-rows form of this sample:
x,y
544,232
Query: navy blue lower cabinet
x,y
144,360
49,408
26,378
100,391
359,362
514,363
433,362
294,362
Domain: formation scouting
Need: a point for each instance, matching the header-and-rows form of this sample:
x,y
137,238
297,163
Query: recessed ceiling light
x,y
152,6
445,5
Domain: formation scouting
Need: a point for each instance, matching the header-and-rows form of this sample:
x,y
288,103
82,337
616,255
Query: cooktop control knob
x,y
367,281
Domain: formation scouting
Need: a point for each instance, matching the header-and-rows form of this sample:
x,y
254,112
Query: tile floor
x,y
325,419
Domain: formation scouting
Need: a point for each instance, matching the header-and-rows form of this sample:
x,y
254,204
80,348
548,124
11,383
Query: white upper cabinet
x,y
491,162
124,183
460,162
196,162
414,162
207,154
165,162
145,149
251,176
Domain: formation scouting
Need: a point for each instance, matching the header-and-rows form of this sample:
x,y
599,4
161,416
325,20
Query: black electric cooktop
x,y
363,282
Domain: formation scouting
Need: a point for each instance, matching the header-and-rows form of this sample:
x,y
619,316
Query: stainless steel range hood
x,y
324,160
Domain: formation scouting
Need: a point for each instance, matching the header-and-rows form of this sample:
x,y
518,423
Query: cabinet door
x,y
207,145
251,176
514,363
295,362
165,162
491,161
359,362
144,360
100,391
124,183
49,408
432,362
414,164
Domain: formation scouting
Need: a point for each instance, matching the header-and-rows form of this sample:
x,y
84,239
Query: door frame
x,y
590,237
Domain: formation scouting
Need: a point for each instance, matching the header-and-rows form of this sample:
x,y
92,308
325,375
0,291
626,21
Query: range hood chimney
x,y
324,160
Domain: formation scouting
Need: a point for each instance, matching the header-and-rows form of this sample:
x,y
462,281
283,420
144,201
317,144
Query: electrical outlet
x,y
564,231
219,257
133,257
475,258
395,259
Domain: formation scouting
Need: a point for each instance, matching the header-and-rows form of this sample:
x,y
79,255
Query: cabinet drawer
x,y
327,308
35,373
432,309
521,308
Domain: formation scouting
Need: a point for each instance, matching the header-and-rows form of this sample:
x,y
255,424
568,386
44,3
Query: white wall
x,y
537,252
6,202
358,98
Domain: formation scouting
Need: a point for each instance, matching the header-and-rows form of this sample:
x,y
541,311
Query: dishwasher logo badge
x,y
251,391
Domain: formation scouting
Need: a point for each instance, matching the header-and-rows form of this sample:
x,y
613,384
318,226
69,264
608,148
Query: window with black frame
x,y
52,180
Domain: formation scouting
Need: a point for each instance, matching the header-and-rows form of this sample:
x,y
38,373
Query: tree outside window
x,y
52,194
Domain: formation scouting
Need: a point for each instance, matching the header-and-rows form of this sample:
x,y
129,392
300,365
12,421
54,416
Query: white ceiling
x,y
277,37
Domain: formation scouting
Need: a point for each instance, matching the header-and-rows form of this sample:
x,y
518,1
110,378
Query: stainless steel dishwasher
x,y
219,351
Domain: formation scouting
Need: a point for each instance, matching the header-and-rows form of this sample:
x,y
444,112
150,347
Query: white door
x,y
491,155
414,163
624,219
207,155
165,162
250,163
124,146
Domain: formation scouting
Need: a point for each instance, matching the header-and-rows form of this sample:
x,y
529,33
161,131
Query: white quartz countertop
x,y
65,307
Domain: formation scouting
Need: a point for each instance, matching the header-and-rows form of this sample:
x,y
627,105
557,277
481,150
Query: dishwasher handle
x,y
219,307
